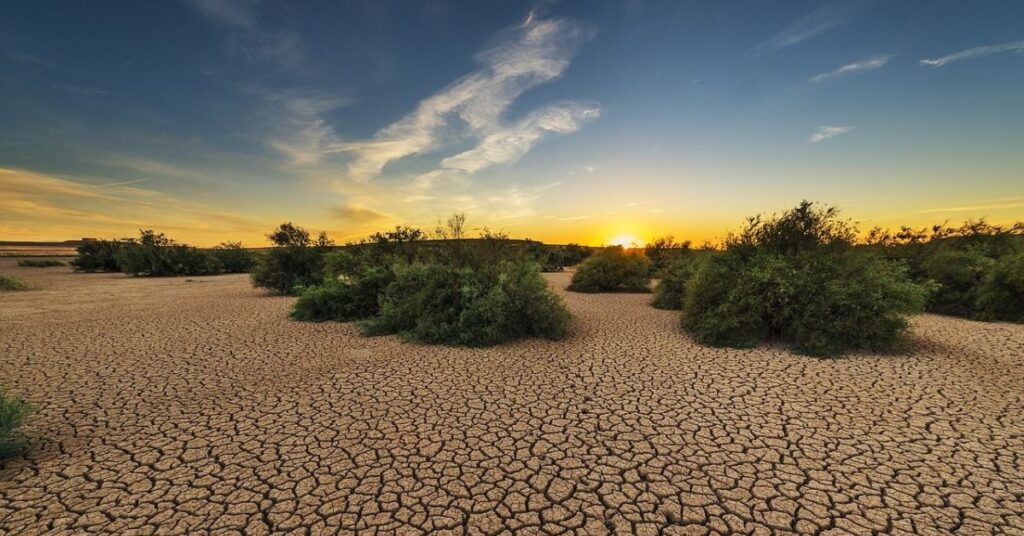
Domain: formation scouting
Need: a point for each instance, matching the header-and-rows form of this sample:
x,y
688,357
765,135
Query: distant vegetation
x,y
450,290
9,283
156,255
34,263
13,413
798,278
613,269
671,290
977,268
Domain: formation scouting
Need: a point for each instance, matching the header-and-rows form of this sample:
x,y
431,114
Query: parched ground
x,y
186,407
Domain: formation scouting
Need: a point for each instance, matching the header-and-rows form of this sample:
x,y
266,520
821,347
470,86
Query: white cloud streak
x,y
859,66
248,39
816,22
474,106
827,132
974,53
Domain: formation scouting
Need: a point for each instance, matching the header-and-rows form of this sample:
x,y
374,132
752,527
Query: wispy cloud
x,y
30,59
825,132
474,106
998,204
78,90
858,66
974,53
816,22
250,40
357,215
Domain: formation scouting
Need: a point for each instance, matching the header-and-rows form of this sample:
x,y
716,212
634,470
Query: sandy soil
x,y
170,406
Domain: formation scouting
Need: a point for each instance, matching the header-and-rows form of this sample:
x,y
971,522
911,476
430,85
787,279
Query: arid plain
x,y
189,406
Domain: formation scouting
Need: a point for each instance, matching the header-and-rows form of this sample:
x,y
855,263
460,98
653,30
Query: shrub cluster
x,y
664,252
296,261
797,278
156,255
972,266
457,291
671,290
98,256
612,269
10,283
39,263
13,413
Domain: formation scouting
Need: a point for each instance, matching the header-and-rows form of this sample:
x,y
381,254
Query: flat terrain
x,y
192,406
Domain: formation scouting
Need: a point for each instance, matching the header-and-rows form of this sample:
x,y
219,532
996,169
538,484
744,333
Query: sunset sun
x,y
625,240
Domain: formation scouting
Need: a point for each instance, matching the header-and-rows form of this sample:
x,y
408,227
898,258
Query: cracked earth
x,y
168,406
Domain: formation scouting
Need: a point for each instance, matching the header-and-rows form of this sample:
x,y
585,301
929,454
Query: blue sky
x,y
564,121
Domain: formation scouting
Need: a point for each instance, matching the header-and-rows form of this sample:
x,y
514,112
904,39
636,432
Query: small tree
x,y
295,263
612,269
13,413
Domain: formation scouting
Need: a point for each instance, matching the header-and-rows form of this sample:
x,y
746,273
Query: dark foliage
x,y
296,263
612,269
663,252
671,289
37,263
233,258
1000,295
156,255
98,256
344,300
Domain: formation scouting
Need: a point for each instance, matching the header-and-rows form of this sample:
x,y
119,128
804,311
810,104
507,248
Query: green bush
x,y
344,300
663,252
671,289
232,258
1000,295
37,263
156,255
11,283
437,303
612,269
98,256
13,413
797,278
296,263
958,273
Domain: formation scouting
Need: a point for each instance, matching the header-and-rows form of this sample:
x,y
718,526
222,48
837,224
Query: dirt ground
x,y
190,406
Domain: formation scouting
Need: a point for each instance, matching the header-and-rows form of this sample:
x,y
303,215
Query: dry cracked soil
x,y
193,406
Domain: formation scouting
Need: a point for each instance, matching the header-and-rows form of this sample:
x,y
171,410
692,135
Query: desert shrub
x,y
10,283
671,289
1000,294
797,278
663,252
13,413
295,263
39,263
97,256
958,273
612,269
448,304
232,258
344,300
573,254
156,255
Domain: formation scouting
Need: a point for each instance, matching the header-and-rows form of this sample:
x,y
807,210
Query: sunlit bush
x,y
612,269
438,303
797,278
10,283
297,261
344,300
13,413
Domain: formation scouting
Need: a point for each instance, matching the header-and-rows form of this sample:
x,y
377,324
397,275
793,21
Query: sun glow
x,y
626,241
